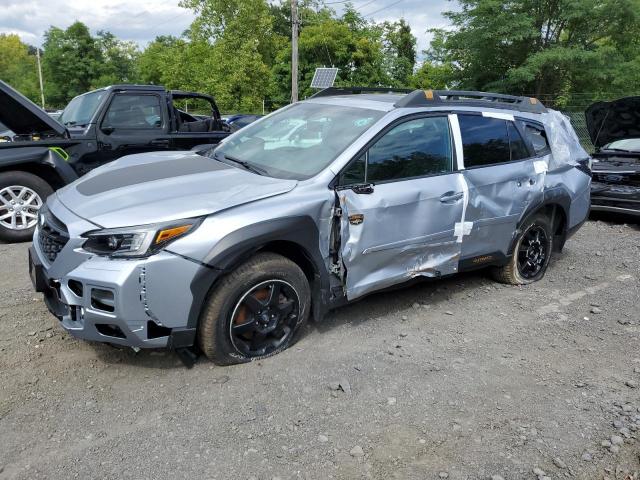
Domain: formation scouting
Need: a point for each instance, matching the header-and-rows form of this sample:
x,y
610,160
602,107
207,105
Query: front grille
x,y
52,236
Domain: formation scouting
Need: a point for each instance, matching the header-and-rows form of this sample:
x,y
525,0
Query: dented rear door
x,y
397,224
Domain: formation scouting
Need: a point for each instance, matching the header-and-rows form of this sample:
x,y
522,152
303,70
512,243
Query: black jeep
x,y
42,154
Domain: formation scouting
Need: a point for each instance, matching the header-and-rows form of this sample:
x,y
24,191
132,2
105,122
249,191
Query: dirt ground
x,y
461,379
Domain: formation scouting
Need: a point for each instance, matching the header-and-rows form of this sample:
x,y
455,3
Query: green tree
x,y
233,40
399,51
18,67
71,63
540,47
119,59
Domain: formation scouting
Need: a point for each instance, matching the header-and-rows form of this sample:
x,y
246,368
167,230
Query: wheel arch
x,y
295,238
46,163
555,206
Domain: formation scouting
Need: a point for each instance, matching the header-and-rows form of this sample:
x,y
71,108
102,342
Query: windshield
x,y
628,144
81,109
298,141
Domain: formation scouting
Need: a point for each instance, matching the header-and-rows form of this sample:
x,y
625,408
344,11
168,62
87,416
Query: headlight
x,y
139,241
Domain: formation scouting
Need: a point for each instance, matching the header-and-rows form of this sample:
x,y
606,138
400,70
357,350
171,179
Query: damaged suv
x,y
320,203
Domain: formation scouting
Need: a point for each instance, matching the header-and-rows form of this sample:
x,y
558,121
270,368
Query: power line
x,y
383,8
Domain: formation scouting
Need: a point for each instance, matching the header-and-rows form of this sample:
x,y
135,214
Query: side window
x,y
538,139
485,140
134,111
415,148
518,147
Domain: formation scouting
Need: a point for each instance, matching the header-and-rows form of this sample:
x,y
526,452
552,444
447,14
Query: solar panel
x,y
324,77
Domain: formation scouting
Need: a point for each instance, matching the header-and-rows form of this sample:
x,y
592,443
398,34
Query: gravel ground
x,y
459,379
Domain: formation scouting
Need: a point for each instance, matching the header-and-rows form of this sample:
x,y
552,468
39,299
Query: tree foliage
x,y
562,48
18,66
567,51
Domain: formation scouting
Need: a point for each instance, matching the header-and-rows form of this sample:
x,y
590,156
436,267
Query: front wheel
x,y
531,254
22,195
255,311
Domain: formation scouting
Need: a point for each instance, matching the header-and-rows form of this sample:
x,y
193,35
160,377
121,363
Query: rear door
x,y
400,201
132,123
501,181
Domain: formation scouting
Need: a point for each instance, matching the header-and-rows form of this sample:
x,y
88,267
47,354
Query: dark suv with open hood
x,y
614,128
42,154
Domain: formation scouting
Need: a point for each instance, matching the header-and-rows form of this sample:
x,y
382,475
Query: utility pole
x,y
40,76
294,50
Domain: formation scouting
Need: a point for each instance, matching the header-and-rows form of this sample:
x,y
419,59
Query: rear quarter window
x,y
537,137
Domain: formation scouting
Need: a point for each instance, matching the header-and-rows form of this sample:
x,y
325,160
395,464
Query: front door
x,y
132,123
400,201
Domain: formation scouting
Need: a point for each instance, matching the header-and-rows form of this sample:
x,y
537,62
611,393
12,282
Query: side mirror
x,y
107,130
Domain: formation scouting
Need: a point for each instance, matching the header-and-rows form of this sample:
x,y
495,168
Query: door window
x,y
485,140
134,111
416,148
518,148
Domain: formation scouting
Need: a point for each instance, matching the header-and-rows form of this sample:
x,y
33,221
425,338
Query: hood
x,y
158,187
23,116
610,121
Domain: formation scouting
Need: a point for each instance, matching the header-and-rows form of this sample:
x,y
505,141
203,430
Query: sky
x,y
142,20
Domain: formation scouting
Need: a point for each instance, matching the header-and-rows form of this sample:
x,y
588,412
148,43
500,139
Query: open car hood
x,y
23,116
611,121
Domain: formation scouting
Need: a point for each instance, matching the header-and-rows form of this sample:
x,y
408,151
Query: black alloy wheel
x,y
533,252
264,318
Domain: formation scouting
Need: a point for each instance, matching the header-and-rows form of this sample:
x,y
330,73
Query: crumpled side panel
x,y
401,231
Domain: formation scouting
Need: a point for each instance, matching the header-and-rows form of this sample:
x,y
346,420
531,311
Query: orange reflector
x,y
169,233
428,94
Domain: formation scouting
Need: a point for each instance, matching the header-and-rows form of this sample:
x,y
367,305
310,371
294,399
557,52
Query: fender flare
x,y
241,244
51,157
555,196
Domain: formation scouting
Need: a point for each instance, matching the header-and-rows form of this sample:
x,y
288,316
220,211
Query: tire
x,y
242,307
12,184
524,266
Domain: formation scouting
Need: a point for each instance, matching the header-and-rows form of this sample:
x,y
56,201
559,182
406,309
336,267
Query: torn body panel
x,y
399,231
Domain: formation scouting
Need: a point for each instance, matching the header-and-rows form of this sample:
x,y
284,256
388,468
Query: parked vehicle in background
x,y
614,128
95,128
236,249
236,122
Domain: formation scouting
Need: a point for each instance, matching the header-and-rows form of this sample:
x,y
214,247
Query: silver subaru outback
x,y
231,250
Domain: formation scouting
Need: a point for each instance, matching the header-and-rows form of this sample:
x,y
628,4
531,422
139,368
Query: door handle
x,y
451,197
163,142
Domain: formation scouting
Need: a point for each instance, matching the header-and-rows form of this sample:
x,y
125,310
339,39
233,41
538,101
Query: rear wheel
x,y
22,195
255,311
531,254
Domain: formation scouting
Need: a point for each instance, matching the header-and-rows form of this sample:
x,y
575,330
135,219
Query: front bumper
x,y
141,303
615,198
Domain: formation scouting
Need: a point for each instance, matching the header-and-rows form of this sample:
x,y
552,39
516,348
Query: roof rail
x,y
334,91
432,98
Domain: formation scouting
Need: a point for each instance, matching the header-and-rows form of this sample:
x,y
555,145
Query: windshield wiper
x,y
246,165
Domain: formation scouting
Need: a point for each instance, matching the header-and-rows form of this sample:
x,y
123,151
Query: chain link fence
x,y
580,126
